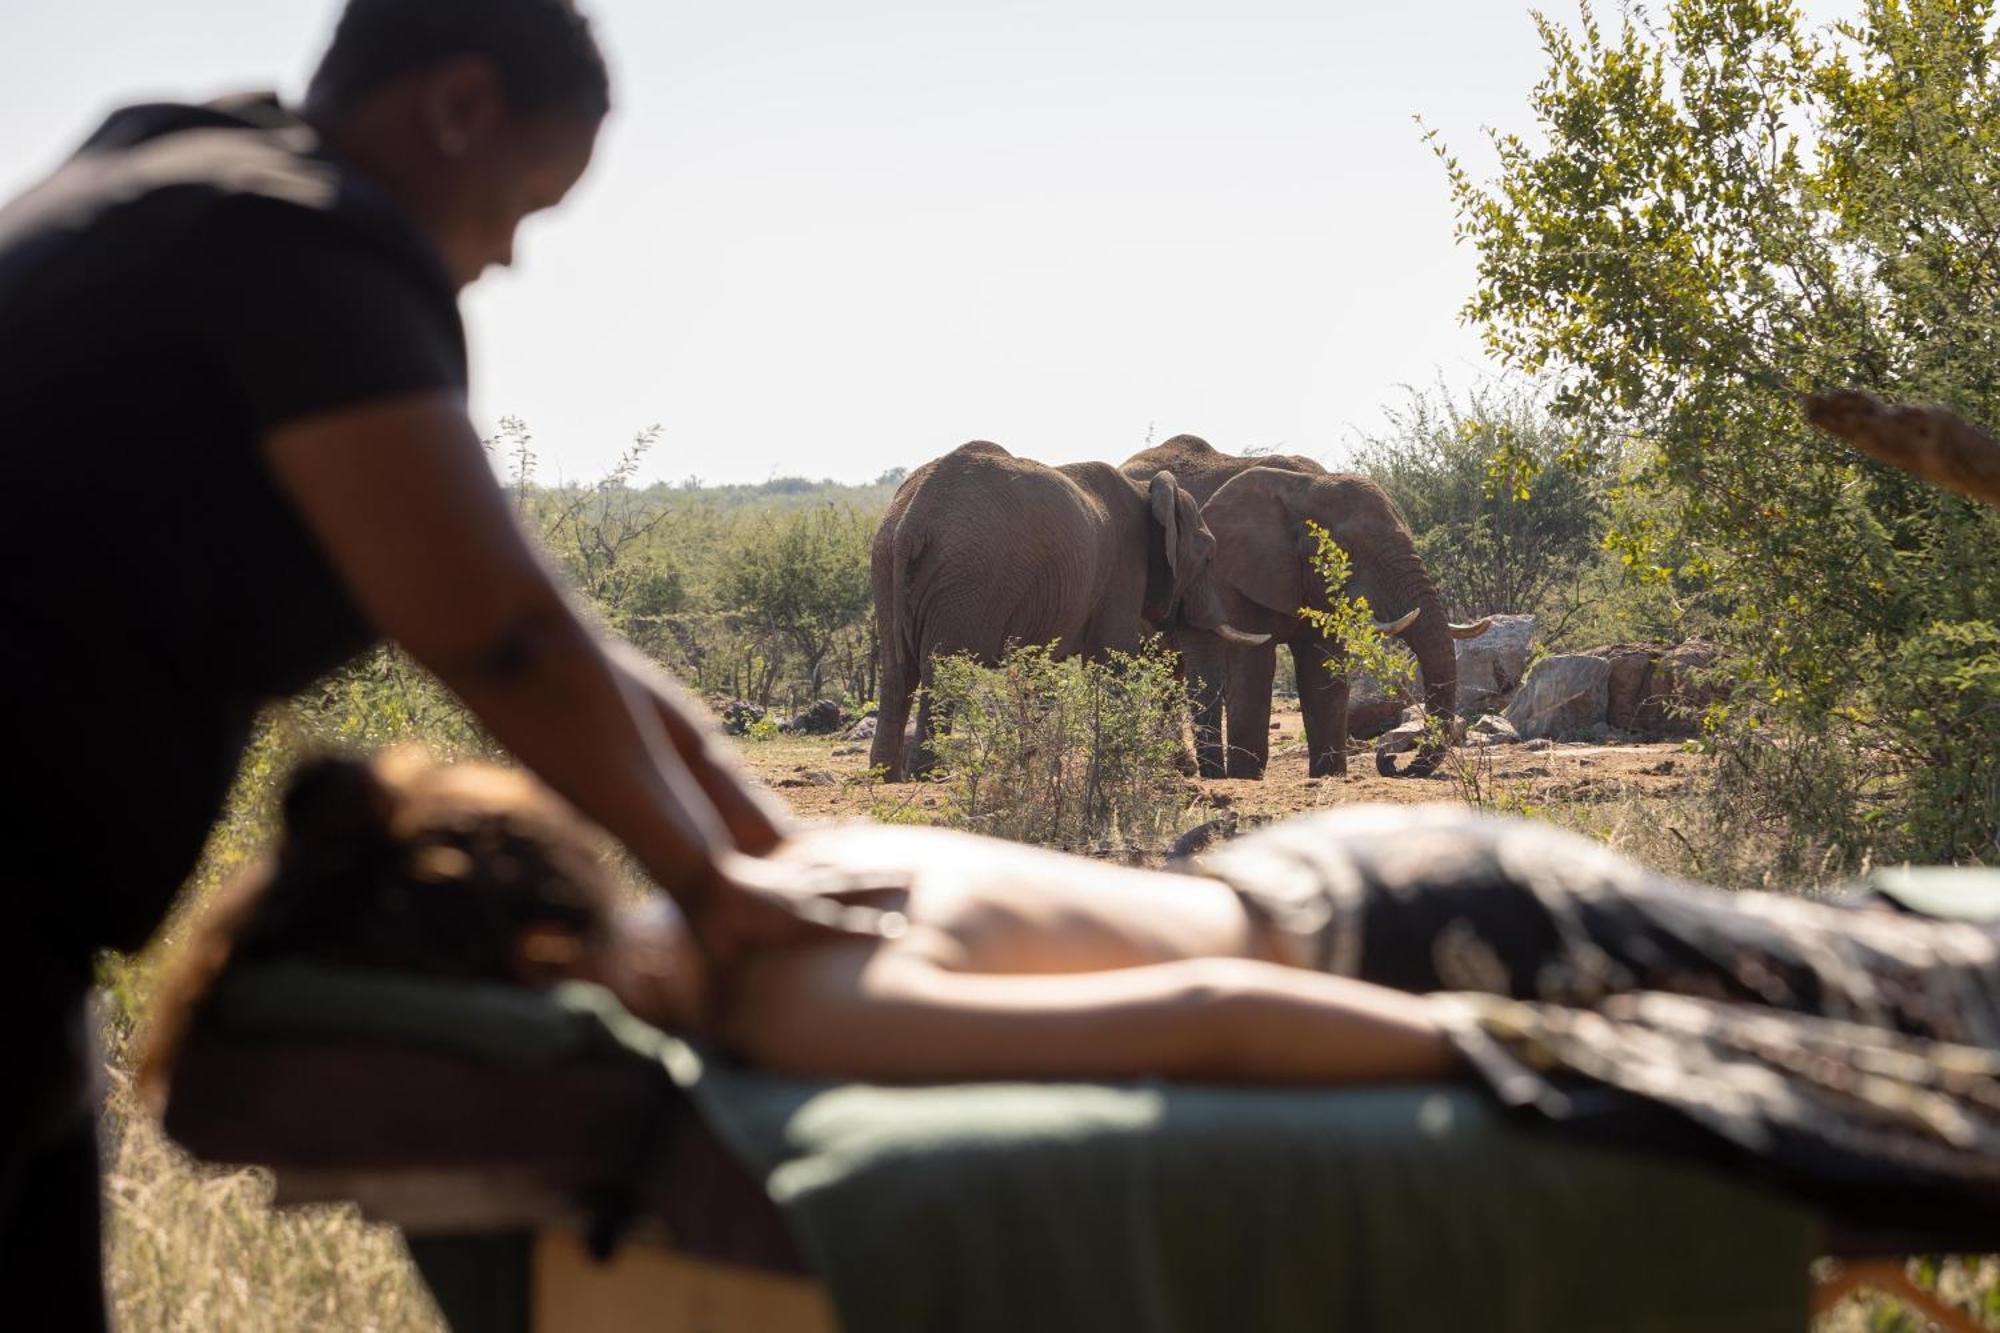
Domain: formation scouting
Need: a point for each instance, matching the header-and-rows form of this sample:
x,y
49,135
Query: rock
x,y
1656,691
1369,717
1491,666
1539,743
1400,739
1491,729
811,777
864,730
843,751
1562,698
1630,683
1408,733
1202,836
1680,692
822,718
738,716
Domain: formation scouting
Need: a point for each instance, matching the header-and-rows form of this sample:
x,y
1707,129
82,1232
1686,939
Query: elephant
x,y
1257,507
980,550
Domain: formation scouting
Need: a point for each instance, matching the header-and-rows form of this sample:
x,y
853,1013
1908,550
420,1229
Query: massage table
x,y
555,1164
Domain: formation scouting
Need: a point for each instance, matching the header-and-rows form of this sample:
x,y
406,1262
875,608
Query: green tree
x,y
801,579
1509,506
1718,215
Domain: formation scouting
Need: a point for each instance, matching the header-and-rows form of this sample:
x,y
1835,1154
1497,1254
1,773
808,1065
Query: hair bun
x,y
336,808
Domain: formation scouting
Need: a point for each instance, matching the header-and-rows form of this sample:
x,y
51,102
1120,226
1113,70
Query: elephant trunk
x,y
1431,639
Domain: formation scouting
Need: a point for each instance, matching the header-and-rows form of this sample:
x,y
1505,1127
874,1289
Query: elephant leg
x,y
1247,701
1323,691
892,714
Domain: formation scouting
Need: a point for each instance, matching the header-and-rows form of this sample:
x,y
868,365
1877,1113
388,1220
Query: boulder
x,y
1491,666
1491,729
1404,736
1656,691
1631,681
1680,692
864,730
822,718
1371,715
1409,732
1203,836
738,716
1562,698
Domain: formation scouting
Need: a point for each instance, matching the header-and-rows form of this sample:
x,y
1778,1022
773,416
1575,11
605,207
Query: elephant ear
x,y
1184,536
1260,539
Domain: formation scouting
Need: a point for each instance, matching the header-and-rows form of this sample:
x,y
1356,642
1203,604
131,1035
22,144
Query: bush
x,y
1713,217
1509,507
1077,755
801,580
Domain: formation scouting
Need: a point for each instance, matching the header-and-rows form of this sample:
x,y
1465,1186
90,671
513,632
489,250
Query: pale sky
x,y
828,239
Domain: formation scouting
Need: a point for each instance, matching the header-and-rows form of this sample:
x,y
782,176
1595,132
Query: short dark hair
x,y
544,50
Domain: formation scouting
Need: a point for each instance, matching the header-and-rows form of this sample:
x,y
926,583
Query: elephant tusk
x,y
1397,626
1231,634
1470,631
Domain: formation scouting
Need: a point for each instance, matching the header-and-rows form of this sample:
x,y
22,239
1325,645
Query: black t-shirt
x,y
193,277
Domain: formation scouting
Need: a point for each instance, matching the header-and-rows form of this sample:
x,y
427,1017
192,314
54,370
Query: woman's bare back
x,y
978,904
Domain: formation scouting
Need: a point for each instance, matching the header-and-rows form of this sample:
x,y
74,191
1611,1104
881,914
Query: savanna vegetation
x,y
1708,209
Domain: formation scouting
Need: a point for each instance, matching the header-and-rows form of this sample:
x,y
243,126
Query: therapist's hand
x,y
751,904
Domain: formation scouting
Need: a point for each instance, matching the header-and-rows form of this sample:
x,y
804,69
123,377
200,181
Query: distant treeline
x,y
761,592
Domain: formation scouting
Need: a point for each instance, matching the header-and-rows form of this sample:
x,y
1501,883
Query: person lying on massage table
x,y
1304,953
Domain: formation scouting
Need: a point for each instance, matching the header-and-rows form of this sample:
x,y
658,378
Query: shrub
x,y
800,580
1077,755
1509,507
1719,214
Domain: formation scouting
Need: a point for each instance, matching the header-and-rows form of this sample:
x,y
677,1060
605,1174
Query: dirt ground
x,y
826,777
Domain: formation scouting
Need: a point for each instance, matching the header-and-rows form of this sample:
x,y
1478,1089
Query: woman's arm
x,y
857,1012
400,498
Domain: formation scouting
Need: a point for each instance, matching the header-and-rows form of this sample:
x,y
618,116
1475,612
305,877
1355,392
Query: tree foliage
x,y
1509,506
802,579
1719,213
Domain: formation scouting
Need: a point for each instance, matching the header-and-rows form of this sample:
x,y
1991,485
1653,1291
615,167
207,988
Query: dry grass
x,y
191,1248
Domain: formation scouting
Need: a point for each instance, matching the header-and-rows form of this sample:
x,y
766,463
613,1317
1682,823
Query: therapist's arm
x,y
756,819
399,495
